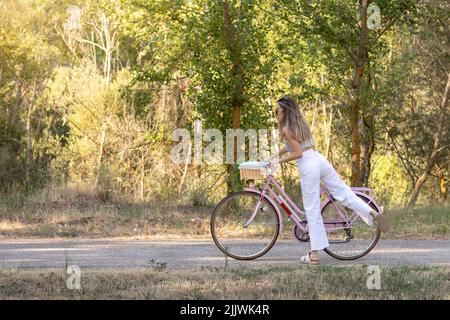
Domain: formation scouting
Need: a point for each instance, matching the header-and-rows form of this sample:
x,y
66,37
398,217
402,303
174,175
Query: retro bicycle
x,y
245,225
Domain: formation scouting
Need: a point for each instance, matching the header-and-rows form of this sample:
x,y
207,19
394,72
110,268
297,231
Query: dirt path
x,y
125,253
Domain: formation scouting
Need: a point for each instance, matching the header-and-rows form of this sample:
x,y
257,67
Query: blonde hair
x,y
294,120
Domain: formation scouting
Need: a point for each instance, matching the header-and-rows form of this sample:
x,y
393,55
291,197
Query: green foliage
x,y
389,181
229,69
98,104
29,54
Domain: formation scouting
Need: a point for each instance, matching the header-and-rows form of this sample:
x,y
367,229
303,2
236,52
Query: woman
x,y
313,168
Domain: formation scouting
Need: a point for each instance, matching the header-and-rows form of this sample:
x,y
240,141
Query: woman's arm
x,y
279,154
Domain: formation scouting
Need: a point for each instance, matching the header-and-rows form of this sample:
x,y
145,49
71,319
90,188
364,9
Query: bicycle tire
x,y
369,248
220,243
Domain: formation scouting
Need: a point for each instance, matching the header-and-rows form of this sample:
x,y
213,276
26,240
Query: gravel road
x,y
189,253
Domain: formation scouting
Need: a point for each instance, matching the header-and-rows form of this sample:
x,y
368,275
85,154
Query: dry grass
x,y
432,222
75,212
303,282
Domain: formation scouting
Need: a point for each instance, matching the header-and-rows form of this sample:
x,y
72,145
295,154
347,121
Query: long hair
x,y
294,120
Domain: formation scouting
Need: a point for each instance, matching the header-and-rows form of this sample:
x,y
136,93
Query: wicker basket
x,y
252,171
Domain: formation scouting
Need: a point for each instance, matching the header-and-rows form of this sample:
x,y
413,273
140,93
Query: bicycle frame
x,y
330,225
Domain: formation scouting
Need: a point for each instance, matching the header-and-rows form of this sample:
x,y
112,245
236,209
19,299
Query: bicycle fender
x,y
280,217
372,200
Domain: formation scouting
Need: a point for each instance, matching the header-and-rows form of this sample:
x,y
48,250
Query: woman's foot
x,y
310,258
381,220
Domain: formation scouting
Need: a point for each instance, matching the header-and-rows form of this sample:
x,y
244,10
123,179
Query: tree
x,y
418,127
333,27
29,55
227,53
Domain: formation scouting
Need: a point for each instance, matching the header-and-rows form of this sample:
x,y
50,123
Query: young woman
x,y
313,168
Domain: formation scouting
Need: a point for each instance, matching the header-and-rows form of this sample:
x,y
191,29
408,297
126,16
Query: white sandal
x,y
307,259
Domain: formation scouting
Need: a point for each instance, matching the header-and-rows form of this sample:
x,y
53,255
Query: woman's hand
x,y
273,162
277,155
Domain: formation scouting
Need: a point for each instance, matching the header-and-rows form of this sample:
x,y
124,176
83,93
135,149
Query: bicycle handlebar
x,y
269,169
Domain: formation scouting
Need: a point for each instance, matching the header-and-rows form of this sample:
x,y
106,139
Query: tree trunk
x,y
29,157
101,152
367,148
436,147
143,161
237,100
327,126
360,65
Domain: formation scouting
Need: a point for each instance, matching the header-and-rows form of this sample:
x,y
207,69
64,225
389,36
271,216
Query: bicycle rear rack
x,y
365,190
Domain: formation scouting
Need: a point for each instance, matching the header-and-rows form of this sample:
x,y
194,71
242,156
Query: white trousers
x,y
314,167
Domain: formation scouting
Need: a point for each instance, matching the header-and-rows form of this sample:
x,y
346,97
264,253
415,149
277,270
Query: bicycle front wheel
x,y
232,237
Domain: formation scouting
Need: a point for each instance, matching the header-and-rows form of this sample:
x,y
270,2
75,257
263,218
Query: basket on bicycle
x,y
252,171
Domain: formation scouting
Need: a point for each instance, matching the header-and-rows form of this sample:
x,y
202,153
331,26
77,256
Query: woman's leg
x,y
310,183
342,192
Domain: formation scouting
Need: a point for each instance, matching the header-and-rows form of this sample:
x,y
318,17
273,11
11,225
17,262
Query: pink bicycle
x,y
245,225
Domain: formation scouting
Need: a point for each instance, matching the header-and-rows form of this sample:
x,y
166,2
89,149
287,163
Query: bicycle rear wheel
x,y
353,242
229,233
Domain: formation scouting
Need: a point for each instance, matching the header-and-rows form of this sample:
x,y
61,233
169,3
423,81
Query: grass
x,y
78,214
281,282
421,223
71,213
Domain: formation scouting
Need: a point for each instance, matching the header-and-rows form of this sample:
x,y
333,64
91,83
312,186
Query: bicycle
x,y
246,224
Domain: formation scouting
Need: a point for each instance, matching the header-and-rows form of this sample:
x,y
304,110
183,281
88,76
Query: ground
x,y
145,251
196,269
